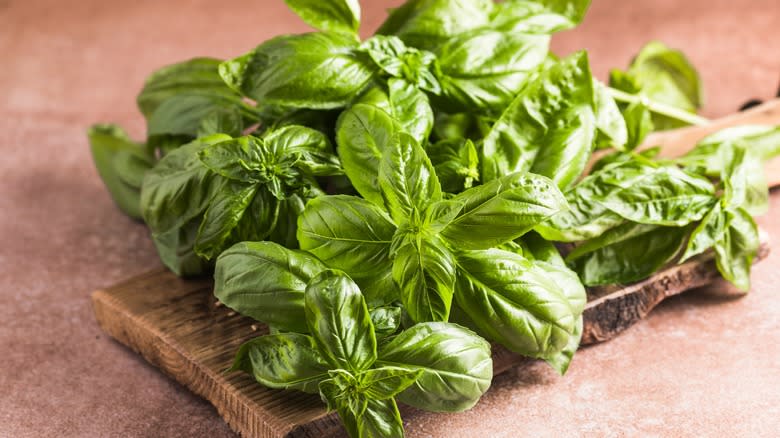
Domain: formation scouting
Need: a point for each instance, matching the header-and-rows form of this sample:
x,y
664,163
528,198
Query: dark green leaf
x,y
284,361
425,273
220,219
381,419
706,235
176,248
338,319
456,365
735,252
385,382
386,319
266,281
329,15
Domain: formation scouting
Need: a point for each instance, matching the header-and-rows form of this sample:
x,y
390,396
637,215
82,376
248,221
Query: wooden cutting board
x,y
178,326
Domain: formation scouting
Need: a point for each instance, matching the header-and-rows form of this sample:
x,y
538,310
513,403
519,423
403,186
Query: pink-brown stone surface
x,y
697,366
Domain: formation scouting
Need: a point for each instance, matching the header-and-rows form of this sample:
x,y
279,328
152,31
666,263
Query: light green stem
x,y
658,107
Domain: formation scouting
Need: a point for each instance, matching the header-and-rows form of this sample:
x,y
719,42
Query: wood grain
x,y
178,326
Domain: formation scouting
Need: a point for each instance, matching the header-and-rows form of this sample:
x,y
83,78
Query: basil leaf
x,y
241,159
386,382
313,70
340,393
363,134
399,61
405,104
456,163
425,273
309,149
611,126
626,254
221,218
706,235
428,23
347,233
330,15
502,210
176,248
554,110
456,365
283,361
407,180
486,68
667,196
734,254
381,419
266,281
121,164
339,322
386,319
638,122
517,303
734,176
538,16
560,361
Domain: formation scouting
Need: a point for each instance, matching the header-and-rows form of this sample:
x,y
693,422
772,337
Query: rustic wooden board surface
x,y
178,326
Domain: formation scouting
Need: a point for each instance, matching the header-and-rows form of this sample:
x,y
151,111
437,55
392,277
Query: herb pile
x,y
389,206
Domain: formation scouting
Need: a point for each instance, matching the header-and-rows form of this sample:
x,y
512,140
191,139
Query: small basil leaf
x,y
312,70
310,148
502,210
456,163
121,164
709,231
411,108
425,273
385,382
386,320
428,23
537,248
735,252
241,159
517,303
363,134
266,281
555,110
407,179
639,123
456,365
283,361
399,61
347,233
380,419
339,322
626,254
225,211
328,15
611,126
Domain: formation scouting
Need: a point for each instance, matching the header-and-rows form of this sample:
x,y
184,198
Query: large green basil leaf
x,y
425,273
501,210
339,321
456,163
664,75
347,233
706,235
428,23
283,361
538,16
363,134
734,254
456,365
222,216
385,382
486,68
121,164
179,187
266,281
407,179
625,254
555,110
517,303
330,15
313,70
666,196
405,104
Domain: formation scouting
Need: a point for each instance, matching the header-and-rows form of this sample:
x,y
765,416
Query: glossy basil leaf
x,y
556,111
610,124
502,210
625,254
407,179
405,104
517,303
425,273
121,164
313,70
307,149
667,196
486,68
456,162
266,281
428,23
541,16
283,361
386,382
363,134
242,159
664,75
381,419
179,187
339,321
221,218
536,248
456,365
329,15
735,252
706,235
560,361
347,233
386,320
176,248
397,60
